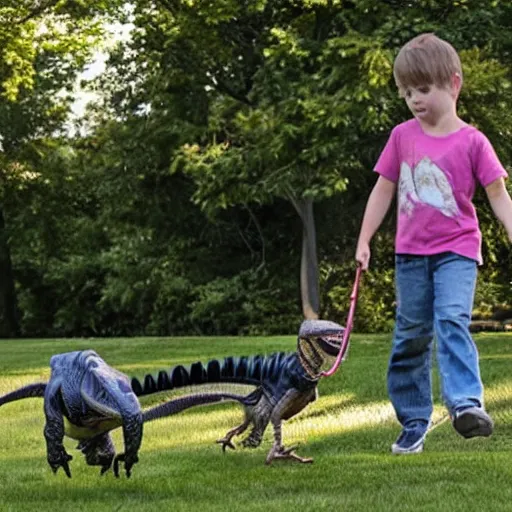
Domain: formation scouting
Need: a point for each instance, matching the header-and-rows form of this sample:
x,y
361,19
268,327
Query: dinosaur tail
x,y
234,370
30,391
180,404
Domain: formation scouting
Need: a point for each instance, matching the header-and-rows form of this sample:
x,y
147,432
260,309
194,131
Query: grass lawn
x,y
348,431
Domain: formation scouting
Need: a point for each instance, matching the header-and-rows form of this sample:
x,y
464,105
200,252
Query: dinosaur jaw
x,y
330,344
316,353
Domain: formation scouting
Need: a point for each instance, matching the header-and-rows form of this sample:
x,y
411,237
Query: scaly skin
x,y
85,399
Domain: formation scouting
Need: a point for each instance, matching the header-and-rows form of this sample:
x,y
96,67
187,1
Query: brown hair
x,y
426,59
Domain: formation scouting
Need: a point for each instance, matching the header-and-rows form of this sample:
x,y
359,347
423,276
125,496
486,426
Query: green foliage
x,y
174,213
375,309
250,303
17,53
29,30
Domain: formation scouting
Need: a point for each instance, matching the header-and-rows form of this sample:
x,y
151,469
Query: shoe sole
x,y
396,450
471,425
417,447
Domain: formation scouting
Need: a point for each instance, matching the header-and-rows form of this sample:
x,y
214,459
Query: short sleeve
x,y
388,163
486,164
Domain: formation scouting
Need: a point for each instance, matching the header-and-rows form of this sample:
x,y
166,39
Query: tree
x,y
269,116
301,96
43,45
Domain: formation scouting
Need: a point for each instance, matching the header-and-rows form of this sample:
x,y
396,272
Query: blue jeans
x,y
434,296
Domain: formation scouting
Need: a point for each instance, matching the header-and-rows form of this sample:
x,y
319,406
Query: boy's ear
x,y
456,84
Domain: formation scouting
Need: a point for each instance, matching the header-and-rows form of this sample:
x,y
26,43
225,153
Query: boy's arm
x,y
376,208
501,203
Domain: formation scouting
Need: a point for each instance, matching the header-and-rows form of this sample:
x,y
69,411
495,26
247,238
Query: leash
x,y
348,328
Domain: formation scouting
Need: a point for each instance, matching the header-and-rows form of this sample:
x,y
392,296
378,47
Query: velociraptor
x,y
85,399
285,383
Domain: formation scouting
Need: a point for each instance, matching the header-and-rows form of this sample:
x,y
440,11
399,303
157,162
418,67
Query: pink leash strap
x,y
348,327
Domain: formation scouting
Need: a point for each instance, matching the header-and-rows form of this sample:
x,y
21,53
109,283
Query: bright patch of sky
x,y
118,32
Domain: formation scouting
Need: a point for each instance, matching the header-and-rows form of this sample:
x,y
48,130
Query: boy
x,y
435,160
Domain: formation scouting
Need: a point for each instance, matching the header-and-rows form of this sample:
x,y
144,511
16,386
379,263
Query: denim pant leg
x,y
457,355
409,370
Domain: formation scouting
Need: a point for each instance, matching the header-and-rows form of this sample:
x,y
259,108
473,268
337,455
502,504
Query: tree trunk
x,y
309,286
9,325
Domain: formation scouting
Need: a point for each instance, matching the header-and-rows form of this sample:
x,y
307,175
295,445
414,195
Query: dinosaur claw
x,y
286,453
60,460
226,443
116,466
127,464
65,466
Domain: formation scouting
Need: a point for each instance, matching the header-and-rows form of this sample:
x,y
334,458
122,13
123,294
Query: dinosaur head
x,y
318,345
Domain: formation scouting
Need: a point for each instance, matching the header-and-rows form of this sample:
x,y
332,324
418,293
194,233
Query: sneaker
x,y
409,442
473,422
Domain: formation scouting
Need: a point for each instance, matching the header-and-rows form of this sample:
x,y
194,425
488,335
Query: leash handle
x,y
348,328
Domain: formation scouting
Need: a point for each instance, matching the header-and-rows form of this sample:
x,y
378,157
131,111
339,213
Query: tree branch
x,y
222,86
260,233
37,11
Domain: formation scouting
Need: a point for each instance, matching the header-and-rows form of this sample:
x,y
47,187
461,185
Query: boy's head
x,y
426,60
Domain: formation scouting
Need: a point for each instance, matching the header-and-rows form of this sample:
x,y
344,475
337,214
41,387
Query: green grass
x,y
348,432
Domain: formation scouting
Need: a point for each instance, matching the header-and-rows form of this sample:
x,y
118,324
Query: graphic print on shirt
x,y
425,184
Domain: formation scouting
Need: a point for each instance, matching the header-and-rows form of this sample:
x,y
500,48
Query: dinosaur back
x,y
252,370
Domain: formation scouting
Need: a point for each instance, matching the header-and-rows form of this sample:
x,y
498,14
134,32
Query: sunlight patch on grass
x,y
500,391
191,430
323,403
18,379
22,410
195,429
495,356
347,419
157,364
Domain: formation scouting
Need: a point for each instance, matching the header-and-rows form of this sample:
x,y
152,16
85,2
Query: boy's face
x,y
429,103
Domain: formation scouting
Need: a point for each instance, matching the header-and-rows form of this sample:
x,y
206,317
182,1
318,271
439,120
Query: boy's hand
x,y
363,255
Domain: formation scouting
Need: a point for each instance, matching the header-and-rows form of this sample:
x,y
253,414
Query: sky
x,y
119,32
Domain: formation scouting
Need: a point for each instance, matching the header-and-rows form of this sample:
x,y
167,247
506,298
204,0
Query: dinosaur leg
x,y
226,442
260,417
291,403
98,451
255,437
132,433
54,429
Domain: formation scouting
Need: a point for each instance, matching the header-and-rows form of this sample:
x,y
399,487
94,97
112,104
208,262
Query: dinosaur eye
x,y
124,386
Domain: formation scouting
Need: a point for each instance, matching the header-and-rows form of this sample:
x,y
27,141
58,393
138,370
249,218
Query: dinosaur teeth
x,y
330,344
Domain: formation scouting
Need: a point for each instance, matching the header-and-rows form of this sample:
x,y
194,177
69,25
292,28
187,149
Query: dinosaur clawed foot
x,y
128,463
226,442
98,451
280,452
106,463
60,459
251,442
104,469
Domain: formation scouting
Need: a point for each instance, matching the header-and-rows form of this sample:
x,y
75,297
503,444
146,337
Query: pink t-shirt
x,y
436,178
